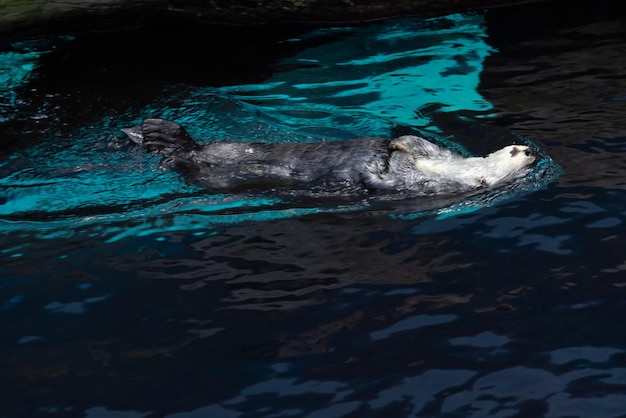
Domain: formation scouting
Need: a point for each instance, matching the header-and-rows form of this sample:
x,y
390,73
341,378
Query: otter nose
x,y
529,152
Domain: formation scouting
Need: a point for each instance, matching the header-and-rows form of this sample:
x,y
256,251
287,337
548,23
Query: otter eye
x,y
527,153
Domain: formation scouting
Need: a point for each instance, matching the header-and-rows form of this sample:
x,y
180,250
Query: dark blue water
x,y
125,292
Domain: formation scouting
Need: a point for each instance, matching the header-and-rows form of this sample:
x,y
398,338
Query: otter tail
x,y
161,134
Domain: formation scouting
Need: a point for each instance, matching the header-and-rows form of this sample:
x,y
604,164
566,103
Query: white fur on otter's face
x,y
441,170
508,163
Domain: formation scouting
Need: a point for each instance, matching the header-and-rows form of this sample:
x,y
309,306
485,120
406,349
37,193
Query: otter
x,y
405,164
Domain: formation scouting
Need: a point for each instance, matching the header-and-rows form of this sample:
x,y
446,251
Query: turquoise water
x,y
366,82
125,292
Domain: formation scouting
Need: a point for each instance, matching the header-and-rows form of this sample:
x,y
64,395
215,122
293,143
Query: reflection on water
x,y
361,82
384,72
283,309
326,315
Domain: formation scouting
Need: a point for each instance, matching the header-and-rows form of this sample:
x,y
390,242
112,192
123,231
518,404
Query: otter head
x,y
518,155
508,163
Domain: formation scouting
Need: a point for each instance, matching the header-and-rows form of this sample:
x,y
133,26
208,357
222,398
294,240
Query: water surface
x,y
126,292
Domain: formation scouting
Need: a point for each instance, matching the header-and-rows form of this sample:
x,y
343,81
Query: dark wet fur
x,y
328,166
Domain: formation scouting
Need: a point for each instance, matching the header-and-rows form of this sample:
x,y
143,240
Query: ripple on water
x,y
362,81
157,298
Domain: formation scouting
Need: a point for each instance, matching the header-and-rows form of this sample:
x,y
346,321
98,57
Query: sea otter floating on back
x,y
407,164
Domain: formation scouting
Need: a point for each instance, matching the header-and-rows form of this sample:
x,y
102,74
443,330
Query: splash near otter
x,y
405,164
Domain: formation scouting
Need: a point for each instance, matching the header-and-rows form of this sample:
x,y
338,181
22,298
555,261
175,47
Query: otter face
x,y
508,163
520,155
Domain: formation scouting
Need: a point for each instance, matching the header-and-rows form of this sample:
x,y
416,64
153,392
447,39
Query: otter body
x,y
408,163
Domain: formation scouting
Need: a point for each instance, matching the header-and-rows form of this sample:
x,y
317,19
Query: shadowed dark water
x,y
125,292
